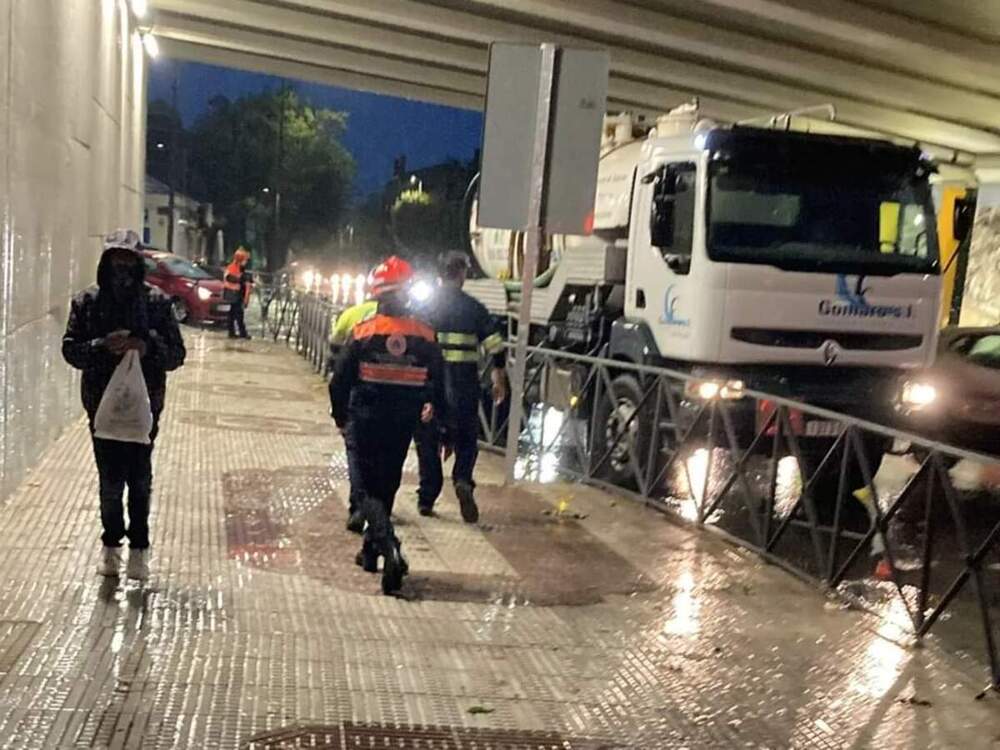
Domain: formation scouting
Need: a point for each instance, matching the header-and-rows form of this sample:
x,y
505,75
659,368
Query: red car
x,y
196,294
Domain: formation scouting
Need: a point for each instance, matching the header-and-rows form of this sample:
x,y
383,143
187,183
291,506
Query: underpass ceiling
x,y
918,70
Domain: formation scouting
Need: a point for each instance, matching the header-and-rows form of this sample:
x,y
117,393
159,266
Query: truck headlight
x,y
707,390
917,394
204,294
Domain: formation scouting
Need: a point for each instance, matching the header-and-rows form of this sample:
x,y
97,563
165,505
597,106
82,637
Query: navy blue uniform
x,y
463,328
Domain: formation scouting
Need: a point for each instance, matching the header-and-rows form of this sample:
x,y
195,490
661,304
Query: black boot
x,y
367,558
356,521
404,564
467,502
394,569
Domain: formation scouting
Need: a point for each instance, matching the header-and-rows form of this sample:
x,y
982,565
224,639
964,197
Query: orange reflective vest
x,y
231,282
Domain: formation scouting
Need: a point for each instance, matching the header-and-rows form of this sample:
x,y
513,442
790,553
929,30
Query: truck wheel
x,y
612,428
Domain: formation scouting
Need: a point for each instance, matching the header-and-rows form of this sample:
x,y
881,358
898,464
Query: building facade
x,y
72,124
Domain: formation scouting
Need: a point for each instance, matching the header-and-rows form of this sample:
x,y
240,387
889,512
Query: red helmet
x,y
391,274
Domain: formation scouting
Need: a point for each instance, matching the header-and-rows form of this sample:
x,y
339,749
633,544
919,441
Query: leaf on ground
x,y
481,710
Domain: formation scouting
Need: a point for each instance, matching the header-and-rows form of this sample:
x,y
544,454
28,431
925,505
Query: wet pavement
x,y
568,618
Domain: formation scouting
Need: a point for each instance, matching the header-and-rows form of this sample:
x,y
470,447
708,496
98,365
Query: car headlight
x,y
421,291
918,394
204,294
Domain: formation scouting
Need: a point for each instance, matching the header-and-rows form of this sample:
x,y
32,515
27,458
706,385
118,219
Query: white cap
x,y
123,238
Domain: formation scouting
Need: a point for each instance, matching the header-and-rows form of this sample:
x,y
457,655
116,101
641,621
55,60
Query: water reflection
x,y
788,486
883,660
686,618
550,444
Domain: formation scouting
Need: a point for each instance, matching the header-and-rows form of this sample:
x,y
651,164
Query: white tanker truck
x,y
794,263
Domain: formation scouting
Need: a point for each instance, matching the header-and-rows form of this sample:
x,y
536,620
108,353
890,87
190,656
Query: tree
x,y
163,126
275,168
420,224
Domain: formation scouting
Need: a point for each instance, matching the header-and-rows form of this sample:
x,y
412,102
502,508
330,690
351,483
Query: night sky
x,y
379,128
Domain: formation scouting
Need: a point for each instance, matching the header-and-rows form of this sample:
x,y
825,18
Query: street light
x,y
265,190
160,146
140,8
414,180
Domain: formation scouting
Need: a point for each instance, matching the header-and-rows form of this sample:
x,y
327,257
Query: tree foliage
x,y
420,223
269,150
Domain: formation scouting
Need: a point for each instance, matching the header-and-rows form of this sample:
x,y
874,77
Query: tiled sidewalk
x,y
605,626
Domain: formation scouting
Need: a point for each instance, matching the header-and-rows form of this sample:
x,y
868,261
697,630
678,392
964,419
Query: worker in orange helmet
x,y
236,287
390,369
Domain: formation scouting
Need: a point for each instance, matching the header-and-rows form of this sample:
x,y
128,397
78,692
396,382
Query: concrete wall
x,y
981,304
72,157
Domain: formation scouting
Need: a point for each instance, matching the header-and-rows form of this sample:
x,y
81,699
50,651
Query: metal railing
x,y
302,319
751,468
923,556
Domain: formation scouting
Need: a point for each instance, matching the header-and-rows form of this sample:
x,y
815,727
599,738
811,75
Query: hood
x,y
104,266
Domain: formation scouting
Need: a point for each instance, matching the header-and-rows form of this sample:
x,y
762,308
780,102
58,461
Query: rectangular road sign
x,y
575,108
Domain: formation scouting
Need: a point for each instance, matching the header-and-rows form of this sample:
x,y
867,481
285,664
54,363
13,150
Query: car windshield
x,y
184,268
821,217
985,350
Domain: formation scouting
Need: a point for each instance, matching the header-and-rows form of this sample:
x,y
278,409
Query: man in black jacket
x,y
122,313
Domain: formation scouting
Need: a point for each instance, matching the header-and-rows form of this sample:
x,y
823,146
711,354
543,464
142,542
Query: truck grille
x,y
848,340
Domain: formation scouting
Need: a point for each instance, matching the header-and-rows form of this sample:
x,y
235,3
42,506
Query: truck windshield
x,y
815,217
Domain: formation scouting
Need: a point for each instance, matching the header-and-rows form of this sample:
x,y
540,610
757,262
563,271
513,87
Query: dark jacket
x,y
390,369
467,334
150,317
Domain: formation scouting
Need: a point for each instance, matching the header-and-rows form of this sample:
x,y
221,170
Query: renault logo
x,y
831,350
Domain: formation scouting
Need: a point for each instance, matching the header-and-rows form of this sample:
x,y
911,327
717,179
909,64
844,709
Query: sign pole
x,y
532,247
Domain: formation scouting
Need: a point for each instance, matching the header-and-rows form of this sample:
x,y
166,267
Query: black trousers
x,y
353,470
382,442
463,430
237,326
119,465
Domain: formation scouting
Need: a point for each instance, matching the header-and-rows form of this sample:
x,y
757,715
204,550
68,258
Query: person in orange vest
x,y
390,370
237,285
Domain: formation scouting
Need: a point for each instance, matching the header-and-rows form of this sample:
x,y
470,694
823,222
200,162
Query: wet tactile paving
x,y
15,638
565,615
247,392
349,736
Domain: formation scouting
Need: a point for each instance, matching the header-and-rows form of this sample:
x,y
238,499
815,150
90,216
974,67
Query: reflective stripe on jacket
x,y
465,329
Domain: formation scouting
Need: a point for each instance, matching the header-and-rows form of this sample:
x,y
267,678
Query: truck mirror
x,y
963,218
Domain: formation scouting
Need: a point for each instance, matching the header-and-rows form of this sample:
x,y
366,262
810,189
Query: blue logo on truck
x,y
851,302
670,315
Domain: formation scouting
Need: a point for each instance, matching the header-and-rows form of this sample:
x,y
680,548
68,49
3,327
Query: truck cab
x,y
777,258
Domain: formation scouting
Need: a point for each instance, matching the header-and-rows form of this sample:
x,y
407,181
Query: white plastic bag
x,y
124,413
